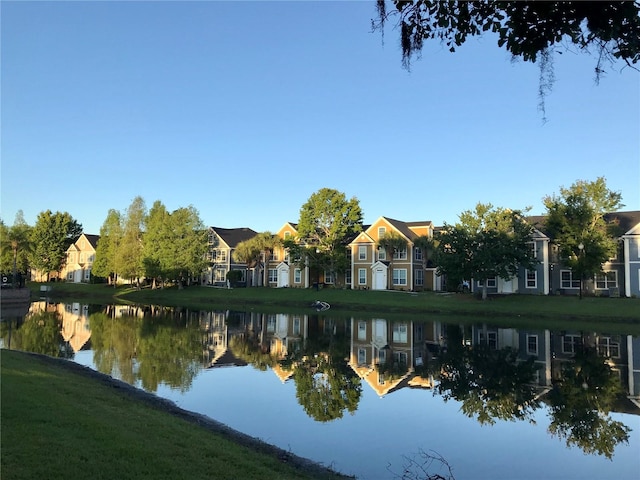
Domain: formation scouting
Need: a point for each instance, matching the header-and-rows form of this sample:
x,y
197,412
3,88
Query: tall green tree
x,y
392,242
106,262
327,222
487,242
51,236
184,245
153,246
532,31
130,253
576,223
16,246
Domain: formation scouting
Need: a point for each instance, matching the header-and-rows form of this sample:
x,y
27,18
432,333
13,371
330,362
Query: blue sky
x,y
245,109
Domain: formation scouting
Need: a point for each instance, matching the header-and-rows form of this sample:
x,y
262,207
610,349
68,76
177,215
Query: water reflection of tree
x,y
251,350
169,352
324,389
38,333
491,384
326,386
580,404
153,350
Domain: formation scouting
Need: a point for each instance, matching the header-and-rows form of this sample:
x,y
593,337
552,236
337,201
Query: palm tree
x,y
247,252
391,242
427,246
267,242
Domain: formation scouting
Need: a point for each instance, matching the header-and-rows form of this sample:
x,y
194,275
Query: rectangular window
x,y
400,333
275,255
418,254
287,235
606,280
491,341
609,347
491,282
400,254
82,258
399,276
382,253
532,278
297,275
534,251
532,344
382,356
362,356
87,274
571,343
362,276
347,277
271,323
273,275
220,255
70,276
72,257
221,275
328,277
212,238
381,232
418,274
567,280
400,358
362,330
362,252
296,326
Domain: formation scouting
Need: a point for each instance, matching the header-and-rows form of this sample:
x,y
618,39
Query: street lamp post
x,y
581,260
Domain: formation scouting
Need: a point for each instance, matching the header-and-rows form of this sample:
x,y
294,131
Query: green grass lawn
x,y
58,423
538,308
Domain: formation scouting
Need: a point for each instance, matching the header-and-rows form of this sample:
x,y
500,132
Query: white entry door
x,y
379,279
283,277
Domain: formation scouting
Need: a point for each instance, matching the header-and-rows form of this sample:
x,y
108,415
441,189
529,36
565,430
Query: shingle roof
x,y
626,220
233,236
403,227
93,239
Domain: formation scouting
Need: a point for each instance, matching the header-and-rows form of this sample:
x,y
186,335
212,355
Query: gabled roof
x,y
92,239
233,236
405,228
627,221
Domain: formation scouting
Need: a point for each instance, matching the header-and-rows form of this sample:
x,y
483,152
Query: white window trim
x,y
535,278
362,252
362,274
529,351
399,281
571,281
607,283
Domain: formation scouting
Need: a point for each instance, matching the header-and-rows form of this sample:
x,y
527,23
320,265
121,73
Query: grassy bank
x,y
60,420
353,302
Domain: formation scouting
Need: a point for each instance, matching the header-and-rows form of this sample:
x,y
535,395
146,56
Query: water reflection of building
x,y
552,350
387,354
216,333
75,328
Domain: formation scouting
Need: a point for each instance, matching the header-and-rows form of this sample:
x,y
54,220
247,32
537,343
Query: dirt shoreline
x,y
309,467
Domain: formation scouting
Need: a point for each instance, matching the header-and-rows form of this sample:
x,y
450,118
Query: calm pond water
x,y
370,396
